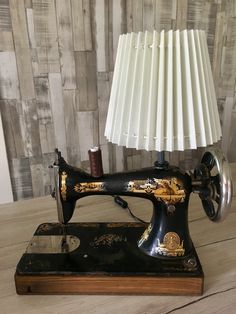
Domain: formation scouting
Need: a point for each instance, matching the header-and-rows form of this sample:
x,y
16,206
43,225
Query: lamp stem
x,y
161,157
161,163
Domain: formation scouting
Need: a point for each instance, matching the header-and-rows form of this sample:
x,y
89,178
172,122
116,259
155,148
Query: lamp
x,y
162,95
163,99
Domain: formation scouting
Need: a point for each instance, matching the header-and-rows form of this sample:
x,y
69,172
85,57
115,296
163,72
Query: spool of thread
x,y
95,159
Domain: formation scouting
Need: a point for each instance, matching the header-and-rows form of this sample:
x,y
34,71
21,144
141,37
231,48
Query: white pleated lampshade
x,y
162,95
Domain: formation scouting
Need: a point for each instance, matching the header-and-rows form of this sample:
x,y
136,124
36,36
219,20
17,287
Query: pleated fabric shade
x,y
162,95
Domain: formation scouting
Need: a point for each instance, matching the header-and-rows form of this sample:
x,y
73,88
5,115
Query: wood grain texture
x,y
64,26
21,43
86,80
44,112
101,21
5,180
181,14
58,57
6,41
57,106
30,128
88,131
108,285
5,18
81,17
45,27
12,128
9,83
72,127
103,101
21,178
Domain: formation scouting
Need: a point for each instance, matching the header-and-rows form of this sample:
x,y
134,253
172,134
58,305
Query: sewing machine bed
x,y
102,258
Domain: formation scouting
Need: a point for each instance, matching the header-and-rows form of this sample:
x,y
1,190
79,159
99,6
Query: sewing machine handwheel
x,y
218,200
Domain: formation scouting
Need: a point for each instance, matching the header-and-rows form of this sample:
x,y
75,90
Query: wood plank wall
x,y
56,66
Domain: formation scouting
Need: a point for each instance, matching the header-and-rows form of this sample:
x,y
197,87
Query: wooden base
x,y
53,284
117,267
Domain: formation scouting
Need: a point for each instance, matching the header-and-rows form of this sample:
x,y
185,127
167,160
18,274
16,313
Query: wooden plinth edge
x,y
93,284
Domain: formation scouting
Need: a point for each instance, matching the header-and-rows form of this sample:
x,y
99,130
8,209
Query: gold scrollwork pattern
x,y
88,187
171,246
168,190
108,240
63,185
146,233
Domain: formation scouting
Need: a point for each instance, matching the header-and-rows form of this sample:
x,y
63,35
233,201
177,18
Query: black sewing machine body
x,y
124,258
168,190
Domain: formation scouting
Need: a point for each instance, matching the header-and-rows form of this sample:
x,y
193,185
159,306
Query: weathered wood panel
x,y
9,83
48,179
209,14
86,80
21,178
30,24
163,14
194,15
46,37
41,175
57,106
101,21
64,26
12,128
36,170
28,3
81,79
72,127
6,41
148,16
231,149
5,18
103,101
117,24
228,60
45,119
218,47
137,12
181,14
129,15
30,128
21,43
6,195
227,120
88,131
81,18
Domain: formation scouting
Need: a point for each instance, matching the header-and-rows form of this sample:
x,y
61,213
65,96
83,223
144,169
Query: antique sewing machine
x,y
158,257
162,99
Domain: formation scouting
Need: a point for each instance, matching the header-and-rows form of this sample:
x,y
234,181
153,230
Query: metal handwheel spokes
x,y
218,201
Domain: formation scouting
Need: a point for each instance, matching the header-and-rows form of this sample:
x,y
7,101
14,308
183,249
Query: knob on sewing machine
x,y
169,189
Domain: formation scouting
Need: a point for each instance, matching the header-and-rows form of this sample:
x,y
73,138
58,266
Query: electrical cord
x,y
122,203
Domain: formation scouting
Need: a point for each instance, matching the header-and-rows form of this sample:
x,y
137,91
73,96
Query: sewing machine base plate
x,y
104,259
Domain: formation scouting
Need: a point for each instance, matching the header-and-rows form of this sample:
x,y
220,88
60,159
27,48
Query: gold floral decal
x,y
108,240
63,185
88,187
168,190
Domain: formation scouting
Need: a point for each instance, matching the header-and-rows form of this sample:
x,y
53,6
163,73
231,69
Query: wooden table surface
x,y
215,244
